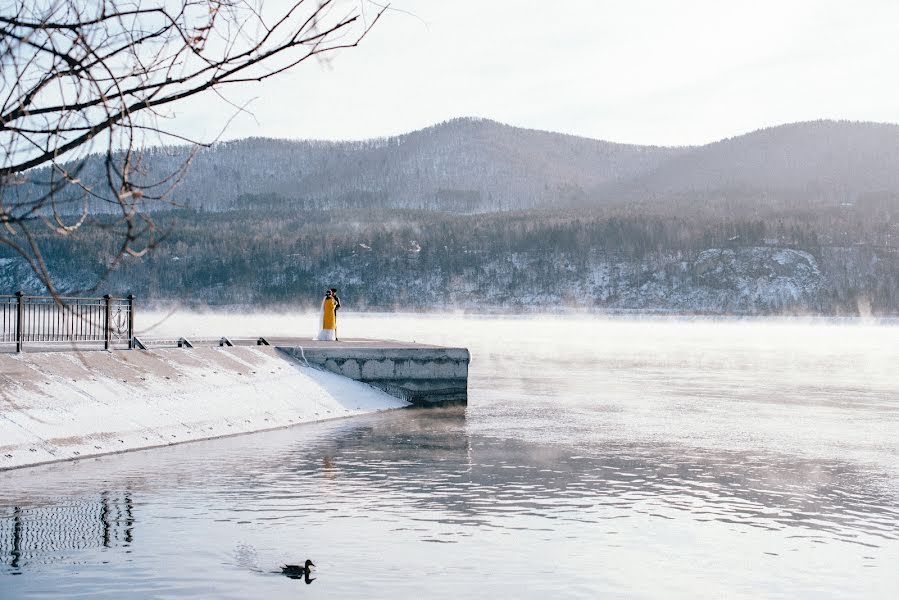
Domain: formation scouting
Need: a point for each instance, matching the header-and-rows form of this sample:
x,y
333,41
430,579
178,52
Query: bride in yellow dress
x,y
328,319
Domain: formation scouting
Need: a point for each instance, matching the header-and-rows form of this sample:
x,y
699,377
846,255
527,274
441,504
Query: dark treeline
x,y
699,257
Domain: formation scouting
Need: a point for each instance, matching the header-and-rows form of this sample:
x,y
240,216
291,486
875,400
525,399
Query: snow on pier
x,y
67,405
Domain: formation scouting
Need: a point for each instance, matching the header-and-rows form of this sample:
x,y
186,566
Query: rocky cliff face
x,y
760,277
15,275
755,280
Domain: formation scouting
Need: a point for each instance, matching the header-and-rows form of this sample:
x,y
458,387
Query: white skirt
x,y
326,335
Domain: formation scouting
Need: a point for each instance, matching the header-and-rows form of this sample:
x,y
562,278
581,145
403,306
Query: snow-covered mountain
x,y
463,165
479,215
476,165
824,162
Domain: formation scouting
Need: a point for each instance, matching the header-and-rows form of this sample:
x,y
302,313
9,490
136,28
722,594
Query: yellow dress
x,y
329,317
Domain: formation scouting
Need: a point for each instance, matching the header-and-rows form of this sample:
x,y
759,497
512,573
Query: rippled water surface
x,y
597,457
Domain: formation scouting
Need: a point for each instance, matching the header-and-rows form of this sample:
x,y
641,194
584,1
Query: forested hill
x,y
824,162
476,165
472,214
464,165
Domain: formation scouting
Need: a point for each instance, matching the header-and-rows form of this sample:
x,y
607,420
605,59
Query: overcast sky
x,y
642,71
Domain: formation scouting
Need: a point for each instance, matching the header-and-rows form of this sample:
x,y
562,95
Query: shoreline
x,y
565,314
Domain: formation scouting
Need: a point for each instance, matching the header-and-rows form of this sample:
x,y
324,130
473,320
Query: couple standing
x,y
328,319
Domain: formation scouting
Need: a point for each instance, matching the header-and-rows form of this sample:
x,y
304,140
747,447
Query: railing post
x,y
107,330
131,321
20,320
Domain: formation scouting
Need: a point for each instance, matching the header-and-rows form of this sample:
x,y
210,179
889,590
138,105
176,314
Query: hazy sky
x,y
643,71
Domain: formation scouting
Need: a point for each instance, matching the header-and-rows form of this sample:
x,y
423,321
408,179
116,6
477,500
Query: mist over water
x,y
648,458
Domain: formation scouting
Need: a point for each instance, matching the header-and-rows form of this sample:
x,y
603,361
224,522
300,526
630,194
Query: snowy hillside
x,y
478,215
463,165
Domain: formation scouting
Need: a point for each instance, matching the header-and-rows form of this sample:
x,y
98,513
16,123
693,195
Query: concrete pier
x,y
73,404
418,373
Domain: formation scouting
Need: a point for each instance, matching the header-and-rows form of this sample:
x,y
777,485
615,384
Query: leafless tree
x,y
83,77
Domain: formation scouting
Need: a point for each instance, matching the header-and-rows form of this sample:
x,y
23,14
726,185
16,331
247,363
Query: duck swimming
x,y
296,571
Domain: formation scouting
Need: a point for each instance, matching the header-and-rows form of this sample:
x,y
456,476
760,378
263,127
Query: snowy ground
x,y
58,406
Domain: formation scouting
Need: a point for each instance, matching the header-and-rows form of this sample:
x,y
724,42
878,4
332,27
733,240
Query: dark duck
x,y
297,572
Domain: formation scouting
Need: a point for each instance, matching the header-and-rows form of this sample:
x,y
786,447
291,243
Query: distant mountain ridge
x,y
826,161
475,165
463,165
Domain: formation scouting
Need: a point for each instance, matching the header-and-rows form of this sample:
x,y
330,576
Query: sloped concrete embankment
x,y
65,405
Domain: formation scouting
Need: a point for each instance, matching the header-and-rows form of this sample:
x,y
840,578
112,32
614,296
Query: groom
x,y
336,307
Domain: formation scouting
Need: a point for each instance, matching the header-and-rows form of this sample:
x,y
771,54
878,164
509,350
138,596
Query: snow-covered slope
x,y
65,405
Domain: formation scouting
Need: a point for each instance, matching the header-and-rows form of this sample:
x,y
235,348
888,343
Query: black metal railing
x,y
44,320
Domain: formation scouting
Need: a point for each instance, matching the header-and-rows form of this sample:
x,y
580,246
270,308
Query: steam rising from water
x,y
813,388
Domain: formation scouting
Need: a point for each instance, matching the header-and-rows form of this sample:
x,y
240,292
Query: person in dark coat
x,y
336,308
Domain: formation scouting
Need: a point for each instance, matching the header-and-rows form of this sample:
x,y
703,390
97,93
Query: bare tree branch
x,y
80,72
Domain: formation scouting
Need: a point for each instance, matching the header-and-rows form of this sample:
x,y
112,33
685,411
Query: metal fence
x,y
42,320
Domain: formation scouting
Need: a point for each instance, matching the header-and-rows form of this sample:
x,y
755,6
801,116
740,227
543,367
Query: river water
x,y
613,457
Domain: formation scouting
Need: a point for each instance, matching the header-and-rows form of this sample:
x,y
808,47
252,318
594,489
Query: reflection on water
x,y
625,488
426,459
422,476
46,534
